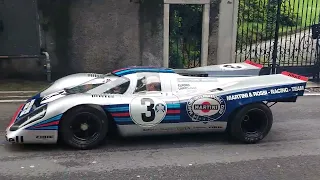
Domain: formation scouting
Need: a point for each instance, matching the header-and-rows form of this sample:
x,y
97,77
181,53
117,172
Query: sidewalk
x,y
311,84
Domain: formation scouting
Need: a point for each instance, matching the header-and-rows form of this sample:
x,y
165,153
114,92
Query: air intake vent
x,y
95,75
102,96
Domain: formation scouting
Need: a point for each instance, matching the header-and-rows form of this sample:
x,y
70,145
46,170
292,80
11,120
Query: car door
x,y
150,108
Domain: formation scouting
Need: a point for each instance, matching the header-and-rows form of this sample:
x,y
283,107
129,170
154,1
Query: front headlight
x,y
37,114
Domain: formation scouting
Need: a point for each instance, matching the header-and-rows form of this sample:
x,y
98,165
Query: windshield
x,y
82,88
118,86
86,86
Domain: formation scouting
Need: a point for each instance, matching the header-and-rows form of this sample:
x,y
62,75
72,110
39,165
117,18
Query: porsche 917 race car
x,y
84,81
149,101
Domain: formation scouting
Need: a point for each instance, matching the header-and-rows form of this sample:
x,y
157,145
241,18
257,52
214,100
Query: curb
x,y
11,101
13,92
311,94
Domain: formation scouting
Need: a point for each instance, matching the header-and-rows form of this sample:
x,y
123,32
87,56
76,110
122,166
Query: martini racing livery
x,y
148,101
84,81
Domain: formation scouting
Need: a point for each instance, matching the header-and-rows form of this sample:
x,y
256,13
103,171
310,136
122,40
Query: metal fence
x,y
278,33
185,35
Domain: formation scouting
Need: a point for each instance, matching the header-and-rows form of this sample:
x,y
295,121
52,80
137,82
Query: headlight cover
x,y
37,114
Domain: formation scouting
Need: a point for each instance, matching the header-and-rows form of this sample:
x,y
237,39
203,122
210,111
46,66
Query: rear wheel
x,y
84,127
251,123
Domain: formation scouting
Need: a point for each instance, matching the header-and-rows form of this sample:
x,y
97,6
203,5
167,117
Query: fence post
x,y
166,24
227,31
276,38
205,34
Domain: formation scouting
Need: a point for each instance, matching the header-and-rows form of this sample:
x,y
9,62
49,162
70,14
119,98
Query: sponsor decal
x,y
54,94
295,75
197,80
185,86
297,88
44,137
17,139
254,64
264,93
206,108
186,128
169,129
27,107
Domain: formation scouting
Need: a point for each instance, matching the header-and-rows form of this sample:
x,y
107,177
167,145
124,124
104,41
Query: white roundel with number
x,y
147,111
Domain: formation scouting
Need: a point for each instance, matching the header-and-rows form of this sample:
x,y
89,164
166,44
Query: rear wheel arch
x,y
233,123
240,107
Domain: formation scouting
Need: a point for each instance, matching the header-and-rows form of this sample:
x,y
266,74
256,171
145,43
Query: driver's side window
x,y
148,82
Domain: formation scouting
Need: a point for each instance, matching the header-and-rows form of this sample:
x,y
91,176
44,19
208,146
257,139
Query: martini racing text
x,y
264,93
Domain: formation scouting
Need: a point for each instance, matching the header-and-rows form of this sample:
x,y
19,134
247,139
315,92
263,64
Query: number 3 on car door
x,y
147,111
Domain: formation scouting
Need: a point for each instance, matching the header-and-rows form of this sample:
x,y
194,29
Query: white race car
x,y
145,101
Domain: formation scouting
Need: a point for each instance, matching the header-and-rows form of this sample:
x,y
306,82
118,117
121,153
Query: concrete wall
x,y
108,34
102,35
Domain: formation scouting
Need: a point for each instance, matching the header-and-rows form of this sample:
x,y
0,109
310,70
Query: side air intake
x,y
95,75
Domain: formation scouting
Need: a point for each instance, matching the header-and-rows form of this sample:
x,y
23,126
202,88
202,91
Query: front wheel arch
x,y
113,128
103,115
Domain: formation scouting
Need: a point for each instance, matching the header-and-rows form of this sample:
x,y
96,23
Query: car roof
x,y
139,69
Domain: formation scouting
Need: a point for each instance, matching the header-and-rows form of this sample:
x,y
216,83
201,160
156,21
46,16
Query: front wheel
x,y
84,127
251,123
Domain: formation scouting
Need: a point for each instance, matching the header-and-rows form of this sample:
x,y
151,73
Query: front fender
x,y
60,106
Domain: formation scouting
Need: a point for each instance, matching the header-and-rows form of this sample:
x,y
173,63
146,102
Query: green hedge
x,y
257,19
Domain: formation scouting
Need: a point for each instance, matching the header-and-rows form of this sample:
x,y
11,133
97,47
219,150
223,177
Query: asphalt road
x,y
290,151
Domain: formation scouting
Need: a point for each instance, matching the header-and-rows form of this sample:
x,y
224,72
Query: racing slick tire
x,y
251,123
84,127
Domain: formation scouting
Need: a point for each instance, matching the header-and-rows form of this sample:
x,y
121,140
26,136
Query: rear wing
x,y
296,76
297,88
243,69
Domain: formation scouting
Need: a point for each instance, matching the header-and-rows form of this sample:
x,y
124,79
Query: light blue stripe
x,y
173,105
123,119
45,128
172,118
115,109
55,118
143,70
